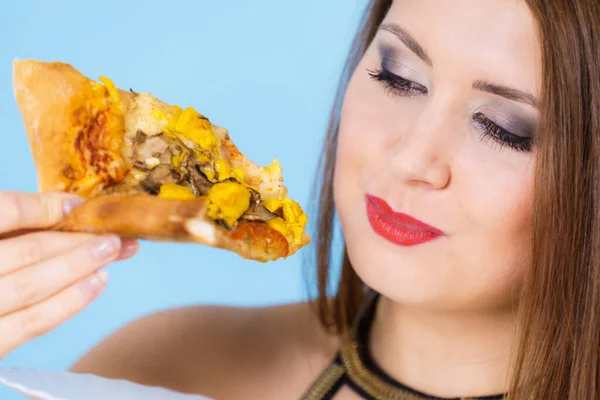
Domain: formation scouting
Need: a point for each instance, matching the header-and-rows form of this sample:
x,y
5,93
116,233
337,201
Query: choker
x,y
354,367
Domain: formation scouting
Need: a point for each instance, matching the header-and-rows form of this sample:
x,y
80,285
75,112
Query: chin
x,y
425,276
442,274
410,275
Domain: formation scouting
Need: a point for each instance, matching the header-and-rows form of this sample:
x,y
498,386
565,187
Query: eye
x,y
396,85
491,130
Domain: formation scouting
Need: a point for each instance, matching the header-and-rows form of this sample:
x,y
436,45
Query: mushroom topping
x,y
160,175
257,211
166,160
198,181
149,152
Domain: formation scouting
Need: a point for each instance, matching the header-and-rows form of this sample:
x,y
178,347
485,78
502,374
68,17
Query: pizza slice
x,y
150,170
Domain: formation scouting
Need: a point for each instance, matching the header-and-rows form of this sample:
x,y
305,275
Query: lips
x,y
396,227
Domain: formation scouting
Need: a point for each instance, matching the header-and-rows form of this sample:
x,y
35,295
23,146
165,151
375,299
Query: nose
x,y
421,155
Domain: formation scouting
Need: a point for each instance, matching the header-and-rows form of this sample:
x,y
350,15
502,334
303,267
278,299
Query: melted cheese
x,y
112,89
174,191
177,160
273,204
145,114
239,175
228,201
223,169
209,172
293,222
193,127
158,114
273,169
98,160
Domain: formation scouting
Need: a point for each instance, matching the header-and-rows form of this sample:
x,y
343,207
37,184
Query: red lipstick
x,y
398,228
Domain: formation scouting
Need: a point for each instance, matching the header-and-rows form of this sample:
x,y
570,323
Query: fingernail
x,y
105,247
70,204
92,286
128,248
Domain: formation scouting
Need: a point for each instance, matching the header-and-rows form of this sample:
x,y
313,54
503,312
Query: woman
x,y
463,161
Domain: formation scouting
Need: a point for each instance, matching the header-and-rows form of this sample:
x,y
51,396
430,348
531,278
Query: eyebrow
x,y
482,85
506,92
408,40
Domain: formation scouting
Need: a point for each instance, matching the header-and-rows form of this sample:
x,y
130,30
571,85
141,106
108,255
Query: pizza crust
x,y
76,145
43,109
147,217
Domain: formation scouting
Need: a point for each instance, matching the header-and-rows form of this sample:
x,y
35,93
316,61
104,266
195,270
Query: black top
x,y
354,366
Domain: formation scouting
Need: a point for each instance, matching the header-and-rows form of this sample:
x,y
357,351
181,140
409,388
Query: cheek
x,y
354,165
369,122
497,207
352,144
497,194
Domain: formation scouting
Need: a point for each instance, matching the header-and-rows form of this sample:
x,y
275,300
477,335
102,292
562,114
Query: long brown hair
x,y
558,349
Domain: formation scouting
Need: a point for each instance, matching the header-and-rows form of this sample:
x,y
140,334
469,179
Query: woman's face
x,y
437,126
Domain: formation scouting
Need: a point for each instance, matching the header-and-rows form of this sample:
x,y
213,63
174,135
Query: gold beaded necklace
x,y
353,366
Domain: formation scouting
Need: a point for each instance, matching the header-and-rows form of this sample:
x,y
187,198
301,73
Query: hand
x,y
46,277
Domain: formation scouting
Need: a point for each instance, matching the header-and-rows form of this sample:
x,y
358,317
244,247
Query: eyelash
x,y
397,86
501,135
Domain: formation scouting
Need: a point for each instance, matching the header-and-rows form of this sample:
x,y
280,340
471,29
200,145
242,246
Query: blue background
x,y
265,69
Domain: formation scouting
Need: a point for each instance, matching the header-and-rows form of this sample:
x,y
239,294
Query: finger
x,y
23,251
33,284
129,247
18,232
32,248
25,325
33,210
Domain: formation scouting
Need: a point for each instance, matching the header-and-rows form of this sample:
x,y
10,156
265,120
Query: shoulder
x,y
218,351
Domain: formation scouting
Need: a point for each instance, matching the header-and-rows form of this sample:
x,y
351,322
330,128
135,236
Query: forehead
x,y
493,40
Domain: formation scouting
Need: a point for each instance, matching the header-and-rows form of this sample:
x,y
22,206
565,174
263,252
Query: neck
x,y
443,354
